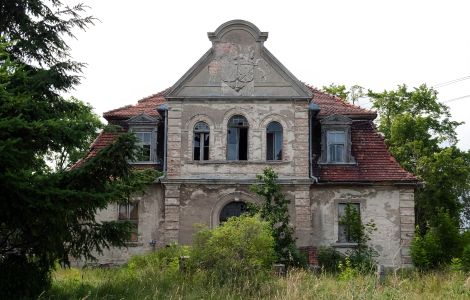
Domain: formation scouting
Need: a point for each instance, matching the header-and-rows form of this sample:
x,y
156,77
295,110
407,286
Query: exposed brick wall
x,y
312,254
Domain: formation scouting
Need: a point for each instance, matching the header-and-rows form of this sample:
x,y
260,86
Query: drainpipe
x,y
164,108
313,110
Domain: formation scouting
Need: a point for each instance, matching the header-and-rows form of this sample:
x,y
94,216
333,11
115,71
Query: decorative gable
x,y
238,65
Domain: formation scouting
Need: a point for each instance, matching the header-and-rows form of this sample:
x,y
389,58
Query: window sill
x,y
344,245
238,162
143,163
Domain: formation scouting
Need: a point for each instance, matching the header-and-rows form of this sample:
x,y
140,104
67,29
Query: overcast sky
x,y
142,47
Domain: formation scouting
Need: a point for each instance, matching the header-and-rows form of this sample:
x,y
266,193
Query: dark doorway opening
x,y
232,209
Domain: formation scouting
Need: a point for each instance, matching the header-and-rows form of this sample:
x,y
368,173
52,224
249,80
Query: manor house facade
x,y
237,111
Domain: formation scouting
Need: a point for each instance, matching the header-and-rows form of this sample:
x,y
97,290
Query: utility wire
x,y
443,84
455,99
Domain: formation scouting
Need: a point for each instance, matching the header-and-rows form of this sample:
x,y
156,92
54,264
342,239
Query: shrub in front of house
x,y
329,259
241,246
438,245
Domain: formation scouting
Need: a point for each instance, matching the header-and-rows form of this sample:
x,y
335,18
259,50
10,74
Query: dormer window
x,y
144,144
336,140
145,129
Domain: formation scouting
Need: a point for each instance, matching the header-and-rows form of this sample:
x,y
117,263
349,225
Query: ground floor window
x,y
130,212
349,217
232,209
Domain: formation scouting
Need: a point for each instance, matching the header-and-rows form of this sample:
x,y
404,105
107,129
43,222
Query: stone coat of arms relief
x,y
236,68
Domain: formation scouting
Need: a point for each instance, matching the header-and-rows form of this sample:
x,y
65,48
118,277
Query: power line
x,y
455,99
443,84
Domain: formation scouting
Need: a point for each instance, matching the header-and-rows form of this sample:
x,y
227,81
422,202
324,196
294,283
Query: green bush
x,y
329,259
439,245
242,245
166,259
465,260
363,260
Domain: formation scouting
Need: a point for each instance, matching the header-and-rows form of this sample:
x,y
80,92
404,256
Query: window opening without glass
x,y
144,140
237,138
232,209
343,235
201,141
274,141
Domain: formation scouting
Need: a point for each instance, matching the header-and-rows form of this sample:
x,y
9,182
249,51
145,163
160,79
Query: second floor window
x,y
336,141
144,142
237,138
274,141
201,141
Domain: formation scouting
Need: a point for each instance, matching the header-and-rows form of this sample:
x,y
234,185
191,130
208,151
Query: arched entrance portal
x,y
232,209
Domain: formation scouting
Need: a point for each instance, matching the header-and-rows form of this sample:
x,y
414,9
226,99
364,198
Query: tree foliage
x,y
275,211
422,137
48,214
348,95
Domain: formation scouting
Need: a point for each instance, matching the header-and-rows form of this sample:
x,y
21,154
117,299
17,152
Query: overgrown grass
x,y
164,281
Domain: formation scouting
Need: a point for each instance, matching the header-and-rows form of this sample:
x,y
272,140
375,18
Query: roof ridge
x,y
338,100
159,94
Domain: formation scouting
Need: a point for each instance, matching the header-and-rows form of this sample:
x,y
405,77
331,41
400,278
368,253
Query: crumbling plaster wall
x,y
184,114
202,204
382,204
150,217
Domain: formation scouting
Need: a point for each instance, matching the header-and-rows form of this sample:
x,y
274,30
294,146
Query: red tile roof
x,y
374,161
146,106
333,105
102,140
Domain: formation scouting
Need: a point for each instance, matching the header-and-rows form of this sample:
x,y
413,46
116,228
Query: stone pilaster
x,y
303,216
300,145
407,224
172,213
174,139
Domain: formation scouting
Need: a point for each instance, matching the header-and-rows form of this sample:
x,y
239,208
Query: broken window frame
x,y
144,146
342,236
237,127
275,129
201,132
130,212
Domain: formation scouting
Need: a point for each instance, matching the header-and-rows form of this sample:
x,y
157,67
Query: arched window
x,y
274,141
201,141
237,138
232,209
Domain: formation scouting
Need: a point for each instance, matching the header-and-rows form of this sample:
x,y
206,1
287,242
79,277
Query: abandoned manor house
x,y
237,111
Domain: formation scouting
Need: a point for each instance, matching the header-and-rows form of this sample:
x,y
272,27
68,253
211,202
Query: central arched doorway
x,y
232,209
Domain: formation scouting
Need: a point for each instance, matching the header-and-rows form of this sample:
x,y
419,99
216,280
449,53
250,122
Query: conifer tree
x,y
47,214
